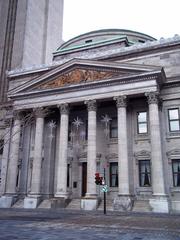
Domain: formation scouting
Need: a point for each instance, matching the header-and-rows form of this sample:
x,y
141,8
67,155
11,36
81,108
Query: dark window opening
x,y
1,146
113,128
88,41
68,175
176,172
144,173
113,174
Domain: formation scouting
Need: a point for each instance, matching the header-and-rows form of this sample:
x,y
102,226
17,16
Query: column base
x,y
32,202
159,204
175,205
123,203
7,201
89,203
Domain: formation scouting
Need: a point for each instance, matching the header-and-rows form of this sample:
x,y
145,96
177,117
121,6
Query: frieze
x,y
78,76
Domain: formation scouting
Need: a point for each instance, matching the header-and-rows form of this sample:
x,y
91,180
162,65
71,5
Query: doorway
x,y
84,178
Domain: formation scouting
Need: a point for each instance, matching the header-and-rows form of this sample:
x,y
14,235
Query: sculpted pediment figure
x,y
77,76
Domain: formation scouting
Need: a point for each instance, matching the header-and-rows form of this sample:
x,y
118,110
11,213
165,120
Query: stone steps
x,y
109,205
45,204
74,204
141,206
19,204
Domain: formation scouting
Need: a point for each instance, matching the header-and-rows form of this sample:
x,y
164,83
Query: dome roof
x,y
105,36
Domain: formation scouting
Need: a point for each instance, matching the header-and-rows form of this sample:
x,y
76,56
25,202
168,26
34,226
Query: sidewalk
x,y
96,219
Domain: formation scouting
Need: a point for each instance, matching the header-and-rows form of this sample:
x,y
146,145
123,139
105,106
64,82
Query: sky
x,y
157,18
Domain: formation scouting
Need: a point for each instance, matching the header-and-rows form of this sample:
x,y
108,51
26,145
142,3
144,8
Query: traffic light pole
x,y
104,192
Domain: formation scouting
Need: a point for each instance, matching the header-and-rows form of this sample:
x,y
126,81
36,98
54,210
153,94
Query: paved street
x,y
78,225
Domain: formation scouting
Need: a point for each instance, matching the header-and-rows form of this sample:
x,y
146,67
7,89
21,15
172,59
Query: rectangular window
x,y
174,120
144,173
114,174
176,172
113,128
142,122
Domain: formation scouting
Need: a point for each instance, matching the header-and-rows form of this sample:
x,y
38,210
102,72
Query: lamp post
x,y
106,121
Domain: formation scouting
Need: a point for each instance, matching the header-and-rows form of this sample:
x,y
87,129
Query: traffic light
x,y
98,179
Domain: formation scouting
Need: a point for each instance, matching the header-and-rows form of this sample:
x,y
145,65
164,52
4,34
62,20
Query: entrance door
x,y
84,178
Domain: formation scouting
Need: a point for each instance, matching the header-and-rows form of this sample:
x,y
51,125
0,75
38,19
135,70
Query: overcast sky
x,y
157,18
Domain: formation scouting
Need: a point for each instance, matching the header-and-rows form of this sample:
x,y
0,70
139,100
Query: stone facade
x,y
106,104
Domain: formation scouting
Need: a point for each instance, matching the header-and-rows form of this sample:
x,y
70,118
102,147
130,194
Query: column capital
x,y
152,97
91,105
40,112
64,108
7,122
121,101
17,115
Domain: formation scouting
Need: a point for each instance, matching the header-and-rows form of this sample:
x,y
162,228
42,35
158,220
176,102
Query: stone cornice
x,y
102,83
110,52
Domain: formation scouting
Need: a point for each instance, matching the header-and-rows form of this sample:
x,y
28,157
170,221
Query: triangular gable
x,y
79,71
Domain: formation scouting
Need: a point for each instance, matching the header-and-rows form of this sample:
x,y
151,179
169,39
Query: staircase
x,y
19,204
75,204
141,206
109,205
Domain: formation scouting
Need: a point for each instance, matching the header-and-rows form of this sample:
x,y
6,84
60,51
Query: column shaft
x,y
156,149
63,147
91,152
123,165
37,161
14,157
5,158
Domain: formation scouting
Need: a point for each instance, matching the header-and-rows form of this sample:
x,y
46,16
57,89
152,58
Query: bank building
x,y
109,101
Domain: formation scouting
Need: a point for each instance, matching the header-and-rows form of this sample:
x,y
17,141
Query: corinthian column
x,y
5,156
37,161
34,199
159,204
61,190
123,173
123,202
90,201
14,156
91,153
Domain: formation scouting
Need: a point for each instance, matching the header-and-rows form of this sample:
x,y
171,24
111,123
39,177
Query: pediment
x,y
79,72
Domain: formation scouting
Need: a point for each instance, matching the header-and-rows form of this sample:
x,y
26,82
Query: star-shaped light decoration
x,y
52,124
106,119
77,122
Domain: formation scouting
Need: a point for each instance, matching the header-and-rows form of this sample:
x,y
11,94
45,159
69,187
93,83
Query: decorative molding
x,y
91,105
142,155
173,154
112,156
64,108
152,97
121,101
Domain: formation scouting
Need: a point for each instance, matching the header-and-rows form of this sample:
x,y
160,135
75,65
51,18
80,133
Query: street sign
x,y
104,189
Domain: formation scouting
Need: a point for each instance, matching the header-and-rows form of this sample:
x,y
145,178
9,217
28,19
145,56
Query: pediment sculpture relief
x,y
78,76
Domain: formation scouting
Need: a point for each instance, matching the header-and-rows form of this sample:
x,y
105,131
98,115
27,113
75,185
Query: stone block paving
x,y
64,225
